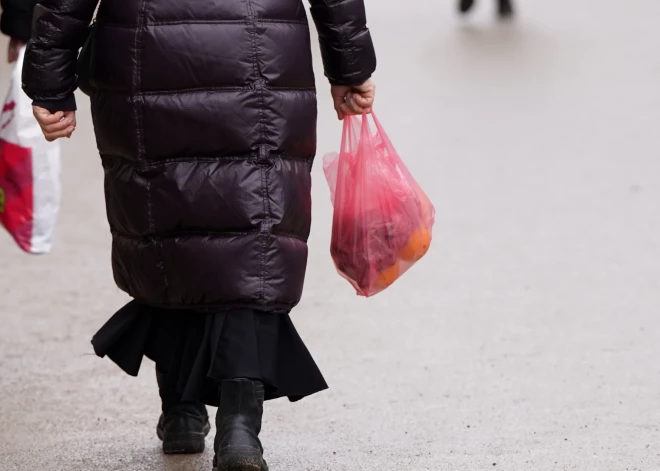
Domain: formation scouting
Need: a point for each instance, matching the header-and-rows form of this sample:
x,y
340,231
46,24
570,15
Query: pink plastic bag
x,y
382,219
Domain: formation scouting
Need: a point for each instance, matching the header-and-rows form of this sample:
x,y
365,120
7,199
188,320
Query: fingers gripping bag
x,y
29,172
382,220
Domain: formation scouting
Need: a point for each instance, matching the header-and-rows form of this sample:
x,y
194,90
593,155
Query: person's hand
x,y
14,48
353,100
55,125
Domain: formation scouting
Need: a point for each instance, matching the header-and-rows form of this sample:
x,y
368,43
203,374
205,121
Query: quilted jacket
x,y
205,120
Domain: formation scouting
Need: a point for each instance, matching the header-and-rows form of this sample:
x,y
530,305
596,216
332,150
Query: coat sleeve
x,y
60,28
348,52
16,21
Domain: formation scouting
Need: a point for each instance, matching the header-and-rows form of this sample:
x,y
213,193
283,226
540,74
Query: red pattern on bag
x,y
16,200
7,114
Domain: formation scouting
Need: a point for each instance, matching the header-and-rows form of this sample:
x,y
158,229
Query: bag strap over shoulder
x,y
86,60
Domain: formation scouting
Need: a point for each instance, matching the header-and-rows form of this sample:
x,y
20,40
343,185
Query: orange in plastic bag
x,y
383,220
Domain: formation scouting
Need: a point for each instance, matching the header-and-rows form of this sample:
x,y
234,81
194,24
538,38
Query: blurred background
x,y
528,337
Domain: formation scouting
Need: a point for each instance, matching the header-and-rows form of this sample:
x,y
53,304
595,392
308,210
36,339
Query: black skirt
x,y
198,350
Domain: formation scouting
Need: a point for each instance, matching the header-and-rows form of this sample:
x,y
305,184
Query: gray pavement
x,y
528,338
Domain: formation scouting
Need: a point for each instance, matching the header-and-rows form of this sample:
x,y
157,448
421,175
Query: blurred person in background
x,y
16,22
205,119
504,7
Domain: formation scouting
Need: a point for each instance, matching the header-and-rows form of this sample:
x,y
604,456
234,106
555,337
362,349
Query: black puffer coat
x,y
205,117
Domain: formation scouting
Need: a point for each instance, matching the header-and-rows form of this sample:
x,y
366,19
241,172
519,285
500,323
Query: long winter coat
x,y
205,117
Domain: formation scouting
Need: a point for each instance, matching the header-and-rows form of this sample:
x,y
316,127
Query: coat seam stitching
x,y
185,91
138,107
203,22
253,156
259,87
219,234
181,91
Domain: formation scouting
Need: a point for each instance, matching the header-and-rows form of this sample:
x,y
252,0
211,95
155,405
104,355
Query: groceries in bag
x,y
383,220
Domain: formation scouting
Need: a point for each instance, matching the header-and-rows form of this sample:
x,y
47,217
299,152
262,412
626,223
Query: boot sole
x,y
184,443
241,462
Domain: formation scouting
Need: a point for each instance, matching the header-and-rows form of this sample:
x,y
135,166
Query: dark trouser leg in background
x,y
183,425
465,5
238,423
505,8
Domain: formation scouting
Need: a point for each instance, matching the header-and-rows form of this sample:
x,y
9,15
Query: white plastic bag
x,y
29,172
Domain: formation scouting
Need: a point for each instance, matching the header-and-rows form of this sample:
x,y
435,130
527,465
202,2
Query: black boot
x,y
183,425
238,423
505,8
465,5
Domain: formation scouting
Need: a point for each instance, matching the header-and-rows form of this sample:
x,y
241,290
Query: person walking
x,y
16,22
504,7
205,120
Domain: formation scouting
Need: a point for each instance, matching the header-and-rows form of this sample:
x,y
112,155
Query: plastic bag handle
x,y
382,133
348,131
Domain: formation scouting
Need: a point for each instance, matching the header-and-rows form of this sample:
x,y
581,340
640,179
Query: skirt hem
x,y
197,350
